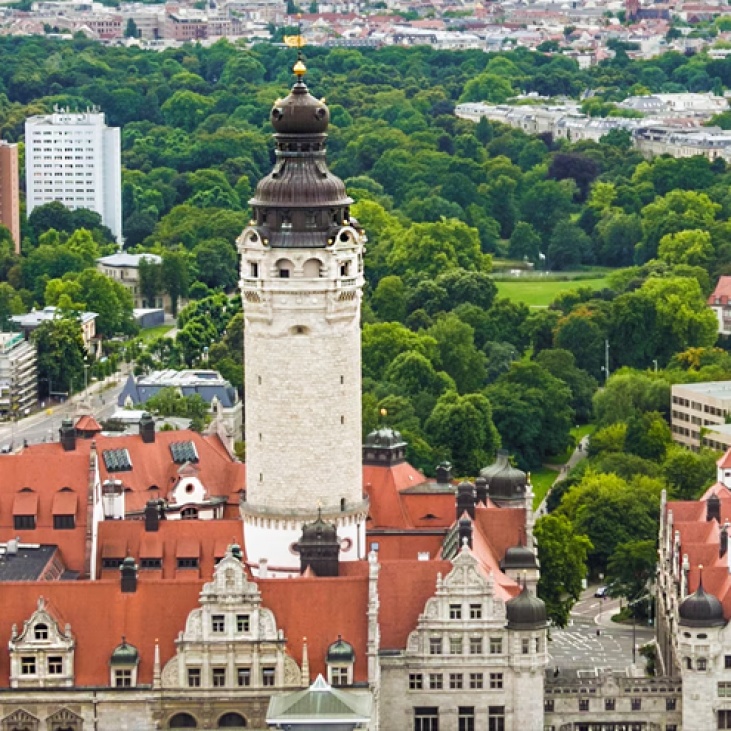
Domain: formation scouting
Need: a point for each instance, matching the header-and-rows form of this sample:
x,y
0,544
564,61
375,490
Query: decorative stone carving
x,y
292,672
169,678
64,719
20,718
193,628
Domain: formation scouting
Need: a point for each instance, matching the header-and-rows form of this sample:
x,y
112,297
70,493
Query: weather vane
x,y
297,42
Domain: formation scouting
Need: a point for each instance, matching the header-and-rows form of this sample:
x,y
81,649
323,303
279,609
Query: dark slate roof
x,y
27,565
140,392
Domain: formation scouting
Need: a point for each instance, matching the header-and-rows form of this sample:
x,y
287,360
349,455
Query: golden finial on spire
x,y
297,42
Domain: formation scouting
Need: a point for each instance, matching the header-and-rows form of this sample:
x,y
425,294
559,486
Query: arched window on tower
x,y
312,269
284,268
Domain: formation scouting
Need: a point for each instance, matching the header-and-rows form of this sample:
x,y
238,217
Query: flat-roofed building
x,y
698,407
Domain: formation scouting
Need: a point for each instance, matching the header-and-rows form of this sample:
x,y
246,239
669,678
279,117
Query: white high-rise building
x,y
301,281
74,158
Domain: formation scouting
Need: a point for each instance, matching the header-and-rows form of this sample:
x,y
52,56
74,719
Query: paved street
x,y
43,426
579,649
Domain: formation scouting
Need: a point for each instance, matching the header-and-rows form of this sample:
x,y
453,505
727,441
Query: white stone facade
x,y
461,664
42,654
231,641
303,394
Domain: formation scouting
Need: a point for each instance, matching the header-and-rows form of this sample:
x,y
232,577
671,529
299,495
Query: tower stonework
x,y
301,284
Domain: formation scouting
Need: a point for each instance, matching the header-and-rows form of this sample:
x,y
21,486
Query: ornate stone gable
x,y
464,600
231,641
42,654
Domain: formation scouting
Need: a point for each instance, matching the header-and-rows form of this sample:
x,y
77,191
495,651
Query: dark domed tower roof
x,y
526,611
504,482
319,547
518,557
300,204
701,609
384,446
318,531
340,652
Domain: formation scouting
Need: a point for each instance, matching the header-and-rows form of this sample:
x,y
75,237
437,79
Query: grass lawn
x,y
541,479
540,293
152,333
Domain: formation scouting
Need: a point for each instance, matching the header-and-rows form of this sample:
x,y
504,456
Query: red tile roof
x,y
722,293
99,614
404,587
334,606
88,423
202,539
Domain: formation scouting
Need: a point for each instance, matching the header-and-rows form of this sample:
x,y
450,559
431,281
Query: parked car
x,y
602,592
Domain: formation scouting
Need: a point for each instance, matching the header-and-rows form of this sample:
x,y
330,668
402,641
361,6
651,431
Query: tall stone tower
x,y
301,283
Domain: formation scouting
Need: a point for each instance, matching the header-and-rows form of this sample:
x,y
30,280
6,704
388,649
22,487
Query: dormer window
x,y
340,662
40,632
123,666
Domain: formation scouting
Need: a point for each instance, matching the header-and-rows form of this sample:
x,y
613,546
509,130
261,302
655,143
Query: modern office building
x,y
9,192
697,409
74,158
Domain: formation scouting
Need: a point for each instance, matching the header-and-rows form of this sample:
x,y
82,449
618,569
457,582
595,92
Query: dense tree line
x,y
459,369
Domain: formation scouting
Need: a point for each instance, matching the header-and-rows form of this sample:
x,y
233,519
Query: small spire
x,y
305,664
156,670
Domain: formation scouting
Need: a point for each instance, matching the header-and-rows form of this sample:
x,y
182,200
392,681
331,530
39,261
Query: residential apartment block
x,y
74,158
9,191
18,377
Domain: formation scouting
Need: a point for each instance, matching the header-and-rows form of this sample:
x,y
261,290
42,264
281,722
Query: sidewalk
x,y
576,456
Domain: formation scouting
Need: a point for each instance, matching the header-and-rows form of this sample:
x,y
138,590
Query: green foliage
x,y
629,393
464,426
689,473
631,567
612,511
170,402
60,348
532,412
562,552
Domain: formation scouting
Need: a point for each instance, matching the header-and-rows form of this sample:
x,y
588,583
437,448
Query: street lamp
x,y
654,362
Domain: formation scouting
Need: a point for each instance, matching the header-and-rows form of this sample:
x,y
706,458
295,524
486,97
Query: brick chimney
x,y
67,435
